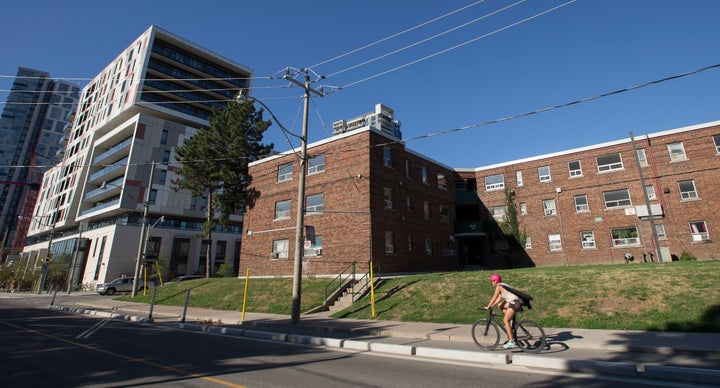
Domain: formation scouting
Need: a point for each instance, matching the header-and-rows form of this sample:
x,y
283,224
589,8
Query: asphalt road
x,y
42,347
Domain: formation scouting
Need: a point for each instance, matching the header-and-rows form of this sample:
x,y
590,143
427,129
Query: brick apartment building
x,y
370,198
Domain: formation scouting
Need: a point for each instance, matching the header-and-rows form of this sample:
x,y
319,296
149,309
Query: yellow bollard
x,y
247,278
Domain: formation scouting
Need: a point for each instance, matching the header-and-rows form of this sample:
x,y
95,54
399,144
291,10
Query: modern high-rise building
x,y
130,117
32,129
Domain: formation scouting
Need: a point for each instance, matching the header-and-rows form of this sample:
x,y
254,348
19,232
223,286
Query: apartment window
x,y
164,137
575,169
444,214
428,247
494,182
410,243
315,203
166,156
285,172
387,157
153,197
549,207
447,249
407,169
660,231
499,213
609,162
425,176
193,203
581,203
523,208
519,178
280,249
650,190
282,210
426,210
555,242
389,242
676,151
587,238
687,189
442,181
642,158
622,237
316,165
162,177
617,198
544,174
408,202
388,198
528,242
716,140
699,231
315,247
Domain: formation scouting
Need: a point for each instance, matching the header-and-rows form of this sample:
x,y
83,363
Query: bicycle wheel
x,y
530,336
486,334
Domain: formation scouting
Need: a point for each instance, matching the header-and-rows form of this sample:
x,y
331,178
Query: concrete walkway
x,y
673,356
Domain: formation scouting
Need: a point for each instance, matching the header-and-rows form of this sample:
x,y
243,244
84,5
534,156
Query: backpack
x,y
524,298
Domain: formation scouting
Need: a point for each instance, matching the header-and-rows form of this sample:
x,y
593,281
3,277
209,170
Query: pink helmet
x,y
496,278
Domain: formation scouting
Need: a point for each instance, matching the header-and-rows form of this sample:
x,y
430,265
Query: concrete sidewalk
x,y
687,357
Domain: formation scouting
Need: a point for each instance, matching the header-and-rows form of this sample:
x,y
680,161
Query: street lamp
x,y
299,243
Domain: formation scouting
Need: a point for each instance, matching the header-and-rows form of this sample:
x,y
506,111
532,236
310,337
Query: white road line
x,y
87,333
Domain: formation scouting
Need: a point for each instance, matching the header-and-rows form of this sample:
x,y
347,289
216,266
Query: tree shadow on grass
x,y
709,323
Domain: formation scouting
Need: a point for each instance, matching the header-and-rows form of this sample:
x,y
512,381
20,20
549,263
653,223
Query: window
x,y
617,198
549,207
444,214
425,176
642,158
574,169
716,140
587,238
499,213
164,137
153,197
285,172
410,244
519,178
523,208
528,242
166,156
407,169
544,174
387,157
408,202
581,203
447,249
163,177
687,189
676,151
428,247
609,162
442,181
389,242
282,210
316,165
426,210
555,242
624,236
315,247
494,182
280,249
699,231
388,198
660,231
315,203
650,190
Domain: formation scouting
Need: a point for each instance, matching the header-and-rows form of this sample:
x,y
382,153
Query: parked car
x,y
184,278
121,285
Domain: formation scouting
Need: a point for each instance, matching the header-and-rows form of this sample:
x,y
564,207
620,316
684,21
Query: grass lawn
x,y
677,296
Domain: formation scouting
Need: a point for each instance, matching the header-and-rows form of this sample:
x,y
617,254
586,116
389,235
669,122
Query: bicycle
x,y
528,334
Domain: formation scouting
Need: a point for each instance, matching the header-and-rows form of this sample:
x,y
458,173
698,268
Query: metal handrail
x,y
339,278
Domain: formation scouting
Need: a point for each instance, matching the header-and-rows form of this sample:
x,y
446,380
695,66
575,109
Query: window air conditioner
x,y
274,255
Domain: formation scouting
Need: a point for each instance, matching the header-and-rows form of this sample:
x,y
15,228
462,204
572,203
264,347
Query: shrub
x,y
687,256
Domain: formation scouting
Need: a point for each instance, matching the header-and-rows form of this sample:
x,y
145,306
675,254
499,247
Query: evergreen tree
x,y
214,163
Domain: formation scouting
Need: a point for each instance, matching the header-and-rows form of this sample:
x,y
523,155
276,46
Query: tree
x,y
214,163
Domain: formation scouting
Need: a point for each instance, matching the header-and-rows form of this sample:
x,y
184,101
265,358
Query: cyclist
x,y
508,302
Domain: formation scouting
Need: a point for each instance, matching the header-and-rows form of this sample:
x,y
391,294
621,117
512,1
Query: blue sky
x,y
580,50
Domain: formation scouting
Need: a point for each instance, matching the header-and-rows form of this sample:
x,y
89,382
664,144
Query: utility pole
x,y
299,239
143,230
656,240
